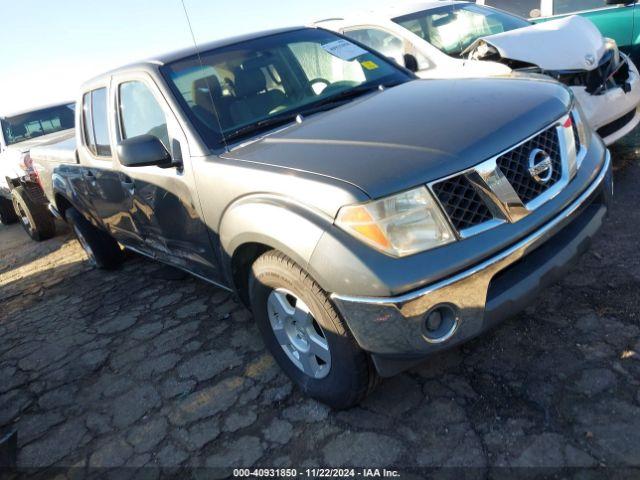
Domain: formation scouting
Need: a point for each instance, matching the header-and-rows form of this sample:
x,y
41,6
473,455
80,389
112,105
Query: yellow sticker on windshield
x,y
369,65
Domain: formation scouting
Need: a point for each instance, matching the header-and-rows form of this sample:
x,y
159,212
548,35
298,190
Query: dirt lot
x,y
130,369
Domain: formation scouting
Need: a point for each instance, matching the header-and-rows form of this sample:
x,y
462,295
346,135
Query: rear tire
x,y
343,375
101,248
34,217
7,213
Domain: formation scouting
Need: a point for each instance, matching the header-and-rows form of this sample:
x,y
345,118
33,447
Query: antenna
x,y
195,44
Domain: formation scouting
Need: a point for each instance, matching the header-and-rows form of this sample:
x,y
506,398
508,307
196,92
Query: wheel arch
x,y
62,204
255,225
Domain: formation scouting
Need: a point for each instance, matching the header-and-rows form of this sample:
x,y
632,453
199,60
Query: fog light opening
x,y
440,324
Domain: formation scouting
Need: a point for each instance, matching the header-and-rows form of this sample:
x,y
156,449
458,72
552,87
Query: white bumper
x,y
601,110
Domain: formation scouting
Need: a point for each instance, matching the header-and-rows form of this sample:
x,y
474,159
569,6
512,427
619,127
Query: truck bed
x,y
63,151
47,157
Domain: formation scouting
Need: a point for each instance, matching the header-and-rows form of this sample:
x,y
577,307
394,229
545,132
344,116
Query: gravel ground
x,y
130,369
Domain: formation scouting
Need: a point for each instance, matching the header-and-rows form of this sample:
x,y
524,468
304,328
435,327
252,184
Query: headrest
x,y
18,130
249,81
204,89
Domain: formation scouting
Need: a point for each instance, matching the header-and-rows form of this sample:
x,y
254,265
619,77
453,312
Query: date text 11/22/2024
x,y
316,473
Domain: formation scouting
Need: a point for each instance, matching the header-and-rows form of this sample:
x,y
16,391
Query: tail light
x,y
26,163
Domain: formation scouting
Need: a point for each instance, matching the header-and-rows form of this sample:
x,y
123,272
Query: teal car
x,y
617,19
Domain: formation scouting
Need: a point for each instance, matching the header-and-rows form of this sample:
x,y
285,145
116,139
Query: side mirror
x,y
411,62
143,151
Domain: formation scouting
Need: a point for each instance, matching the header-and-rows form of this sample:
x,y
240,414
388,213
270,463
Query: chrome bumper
x,y
395,327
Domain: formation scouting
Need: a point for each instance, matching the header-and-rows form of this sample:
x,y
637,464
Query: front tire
x,y
34,217
101,248
306,335
7,212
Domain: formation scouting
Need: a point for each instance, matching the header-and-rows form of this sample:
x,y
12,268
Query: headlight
x,y
399,225
610,44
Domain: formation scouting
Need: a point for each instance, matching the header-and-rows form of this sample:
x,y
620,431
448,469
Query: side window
x,y
524,8
100,122
95,123
140,113
385,43
569,6
87,123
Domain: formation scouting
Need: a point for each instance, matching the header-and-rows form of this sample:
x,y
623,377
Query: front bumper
x,y
393,329
615,111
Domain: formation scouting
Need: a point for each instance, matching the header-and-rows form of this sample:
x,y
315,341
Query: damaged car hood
x,y
571,43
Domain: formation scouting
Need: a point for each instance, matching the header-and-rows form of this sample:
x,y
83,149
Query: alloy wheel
x,y
23,216
299,334
85,245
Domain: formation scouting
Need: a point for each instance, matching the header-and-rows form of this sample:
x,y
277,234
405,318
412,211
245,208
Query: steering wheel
x,y
319,80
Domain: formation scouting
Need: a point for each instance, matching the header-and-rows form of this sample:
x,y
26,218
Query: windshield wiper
x,y
261,125
348,94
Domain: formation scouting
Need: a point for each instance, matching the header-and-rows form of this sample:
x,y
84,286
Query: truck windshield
x,y
453,28
248,86
34,124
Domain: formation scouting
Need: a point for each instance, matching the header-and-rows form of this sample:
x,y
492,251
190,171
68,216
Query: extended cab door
x,y
165,207
102,187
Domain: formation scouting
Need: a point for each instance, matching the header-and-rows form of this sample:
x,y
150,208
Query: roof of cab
x,y
166,58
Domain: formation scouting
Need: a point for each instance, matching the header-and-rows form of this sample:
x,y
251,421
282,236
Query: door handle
x,y
128,184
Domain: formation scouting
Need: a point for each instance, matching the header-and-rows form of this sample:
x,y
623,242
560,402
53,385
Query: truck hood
x,y
570,43
414,133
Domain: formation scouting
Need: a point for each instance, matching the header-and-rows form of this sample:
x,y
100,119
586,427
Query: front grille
x,y
462,202
616,125
503,189
515,165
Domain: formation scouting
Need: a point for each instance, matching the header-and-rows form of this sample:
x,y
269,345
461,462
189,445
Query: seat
x,y
210,105
253,100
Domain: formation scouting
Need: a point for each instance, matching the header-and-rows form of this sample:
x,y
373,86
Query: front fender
x,y
274,221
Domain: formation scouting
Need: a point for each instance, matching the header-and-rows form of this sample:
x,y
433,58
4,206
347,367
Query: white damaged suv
x,y
452,39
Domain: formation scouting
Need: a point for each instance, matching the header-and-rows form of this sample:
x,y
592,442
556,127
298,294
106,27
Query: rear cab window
x,y
95,123
29,125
